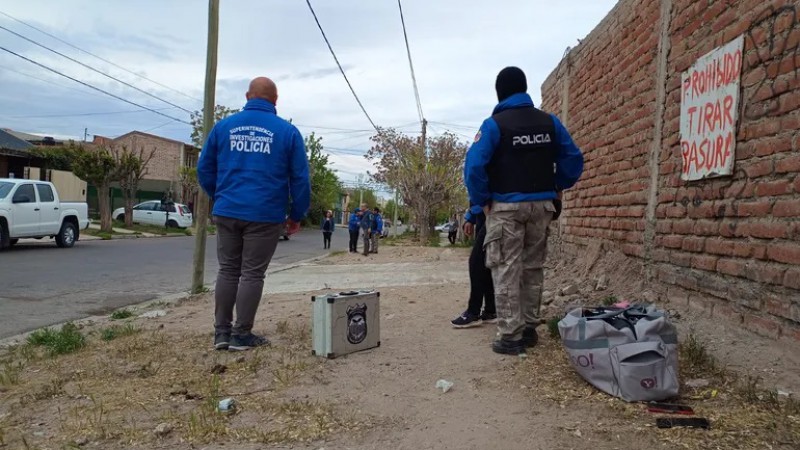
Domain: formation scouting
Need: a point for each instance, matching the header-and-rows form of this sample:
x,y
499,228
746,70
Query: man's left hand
x,y
292,227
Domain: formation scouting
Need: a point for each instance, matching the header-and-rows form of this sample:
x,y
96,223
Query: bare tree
x,y
426,180
132,167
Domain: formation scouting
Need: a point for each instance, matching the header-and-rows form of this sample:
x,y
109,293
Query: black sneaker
x,y
466,320
530,337
222,340
506,347
246,342
488,317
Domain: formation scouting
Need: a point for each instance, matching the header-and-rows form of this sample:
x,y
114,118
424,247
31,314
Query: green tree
x,y
187,177
366,195
55,158
325,185
220,112
99,168
131,169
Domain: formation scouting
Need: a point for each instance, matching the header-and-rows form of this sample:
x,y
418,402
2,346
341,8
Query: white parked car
x,y
443,228
155,213
32,209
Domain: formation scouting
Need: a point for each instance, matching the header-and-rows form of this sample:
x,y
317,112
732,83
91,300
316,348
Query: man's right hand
x,y
469,228
292,227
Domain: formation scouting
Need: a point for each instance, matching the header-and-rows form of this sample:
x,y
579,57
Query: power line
x,y
93,87
410,63
99,57
95,70
308,2
49,81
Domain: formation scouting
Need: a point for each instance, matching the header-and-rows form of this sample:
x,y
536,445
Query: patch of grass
x,y
338,253
122,314
150,229
9,375
116,331
696,359
435,240
211,229
609,300
66,340
188,232
552,328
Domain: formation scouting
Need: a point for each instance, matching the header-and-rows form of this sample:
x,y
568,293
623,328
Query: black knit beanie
x,y
510,81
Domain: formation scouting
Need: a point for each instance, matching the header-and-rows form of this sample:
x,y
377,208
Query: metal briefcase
x,y
346,322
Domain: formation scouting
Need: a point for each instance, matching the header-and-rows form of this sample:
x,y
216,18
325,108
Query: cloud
x,y
458,47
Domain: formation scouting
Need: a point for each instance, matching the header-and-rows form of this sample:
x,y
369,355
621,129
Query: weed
x,y
121,314
10,374
282,327
289,367
104,235
609,300
66,340
435,240
211,229
552,327
115,331
47,391
338,253
696,357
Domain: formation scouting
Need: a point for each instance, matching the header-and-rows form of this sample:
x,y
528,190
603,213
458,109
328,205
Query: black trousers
x,y
452,236
354,240
481,287
326,239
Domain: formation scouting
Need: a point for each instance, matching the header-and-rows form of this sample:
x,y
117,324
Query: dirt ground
x,y
157,386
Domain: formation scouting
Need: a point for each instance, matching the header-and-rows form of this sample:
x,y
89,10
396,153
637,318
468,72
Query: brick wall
x,y
731,245
166,161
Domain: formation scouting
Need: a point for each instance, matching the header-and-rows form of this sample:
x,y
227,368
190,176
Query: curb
x,y
170,299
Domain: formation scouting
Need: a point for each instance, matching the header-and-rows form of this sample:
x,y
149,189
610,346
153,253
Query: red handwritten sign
x,y
709,106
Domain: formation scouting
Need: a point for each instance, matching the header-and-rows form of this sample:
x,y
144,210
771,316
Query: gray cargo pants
x,y
244,250
516,249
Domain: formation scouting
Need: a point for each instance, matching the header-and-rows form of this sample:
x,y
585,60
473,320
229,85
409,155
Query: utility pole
x,y
396,207
85,134
199,260
425,136
360,189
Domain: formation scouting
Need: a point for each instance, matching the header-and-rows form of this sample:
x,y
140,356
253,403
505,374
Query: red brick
x,y
693,244
790,164
765,326
731,267
704,262
788,253
676,211
705,228
779,306
758,169
766,273
791,278
753,209
682,227
702,211
672,241
786,208
772,188
719,247
681,259
766,230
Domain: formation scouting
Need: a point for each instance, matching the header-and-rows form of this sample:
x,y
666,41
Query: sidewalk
x,y
154,382
124,231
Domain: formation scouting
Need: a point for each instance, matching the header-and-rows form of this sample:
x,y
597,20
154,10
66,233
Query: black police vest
x,y
524,161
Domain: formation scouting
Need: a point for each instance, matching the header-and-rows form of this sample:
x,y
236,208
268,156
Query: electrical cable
x,y
411,64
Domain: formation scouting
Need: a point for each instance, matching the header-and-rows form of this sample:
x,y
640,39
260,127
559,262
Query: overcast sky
x,y
458,46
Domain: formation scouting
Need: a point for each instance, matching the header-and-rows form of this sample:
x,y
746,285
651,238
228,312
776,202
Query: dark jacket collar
x,y
515,101
261,105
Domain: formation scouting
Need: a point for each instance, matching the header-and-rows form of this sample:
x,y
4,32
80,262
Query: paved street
x,y
41,284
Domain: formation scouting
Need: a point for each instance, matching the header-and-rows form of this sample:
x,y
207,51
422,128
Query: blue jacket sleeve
x,y
207,165
569,164
472,213
299,181
478,157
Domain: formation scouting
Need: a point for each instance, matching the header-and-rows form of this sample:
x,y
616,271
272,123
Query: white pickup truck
x,y
31,209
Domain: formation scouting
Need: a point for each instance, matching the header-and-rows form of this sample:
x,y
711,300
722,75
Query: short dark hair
x,y
377,210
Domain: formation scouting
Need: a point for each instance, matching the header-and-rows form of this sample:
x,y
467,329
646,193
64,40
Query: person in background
x,y
520,161
327,229
367,224
481,288
452,234
354,226
252,164
377,229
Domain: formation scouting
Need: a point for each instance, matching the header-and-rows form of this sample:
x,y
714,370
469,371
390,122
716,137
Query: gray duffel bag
x,y
631,353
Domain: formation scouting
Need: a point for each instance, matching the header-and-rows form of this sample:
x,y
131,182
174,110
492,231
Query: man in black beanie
x,y
521,160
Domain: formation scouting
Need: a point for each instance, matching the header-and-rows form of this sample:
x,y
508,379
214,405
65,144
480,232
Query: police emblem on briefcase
x,y
357,324
346,322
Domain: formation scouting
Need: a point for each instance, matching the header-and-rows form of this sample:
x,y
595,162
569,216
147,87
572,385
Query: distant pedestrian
x,y
481,288
521,160
377,229
354,227
251,164
327,229
367,223
452,234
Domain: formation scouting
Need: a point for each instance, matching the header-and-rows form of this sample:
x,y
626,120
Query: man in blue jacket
x,y
377,229
354,226
521,160
367,224
251,164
